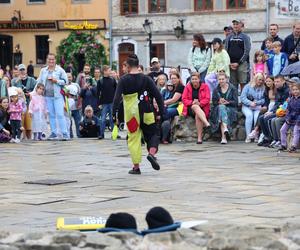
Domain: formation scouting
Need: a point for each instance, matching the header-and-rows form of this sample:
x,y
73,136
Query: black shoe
x,y
100,137
199,142
282,148
153,162
292,149
264,143
134,171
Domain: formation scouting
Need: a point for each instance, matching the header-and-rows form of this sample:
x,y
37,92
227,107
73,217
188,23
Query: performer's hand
x,y
114,117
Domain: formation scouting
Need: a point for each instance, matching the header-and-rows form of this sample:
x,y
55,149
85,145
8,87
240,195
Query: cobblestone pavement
x,y
237,183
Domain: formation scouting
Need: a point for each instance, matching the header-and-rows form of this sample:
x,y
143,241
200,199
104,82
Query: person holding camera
x,y
252,98
89,96
90,125
291,44
27,84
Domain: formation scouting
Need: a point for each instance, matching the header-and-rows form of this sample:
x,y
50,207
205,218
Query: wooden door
x,y
125,49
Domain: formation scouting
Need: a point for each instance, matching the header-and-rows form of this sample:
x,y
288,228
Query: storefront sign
x,y
28,25
287,9
98,24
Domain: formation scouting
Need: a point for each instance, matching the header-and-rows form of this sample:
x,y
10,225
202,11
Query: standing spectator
x,y
155,69
199,56
89,96
107,92
252,98
70,68
281,95
5,129
141,68
291,44
227,31
219,61
38,111
269,52
292,119
259,64
238,46
15,72
196,98
30,69
53,77
27,84
278,61
224,111
74,91
3,86
273,33
8,72
114,74
82,77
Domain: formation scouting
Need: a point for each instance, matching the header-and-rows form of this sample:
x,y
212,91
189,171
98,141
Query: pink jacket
x,y
15,111
37,103
203,97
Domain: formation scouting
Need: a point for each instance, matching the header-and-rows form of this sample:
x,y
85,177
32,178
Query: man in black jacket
x,y
106,88
273,32
291,44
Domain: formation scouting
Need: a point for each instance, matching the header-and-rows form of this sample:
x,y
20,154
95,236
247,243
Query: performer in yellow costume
x,y
138,92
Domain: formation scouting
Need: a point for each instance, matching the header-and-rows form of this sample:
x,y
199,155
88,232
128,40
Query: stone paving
x,y
237,183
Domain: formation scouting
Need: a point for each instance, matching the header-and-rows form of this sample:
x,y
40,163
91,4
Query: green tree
x,y
84,45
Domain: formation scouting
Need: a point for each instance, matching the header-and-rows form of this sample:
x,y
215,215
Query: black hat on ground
x,y
121,221
158,217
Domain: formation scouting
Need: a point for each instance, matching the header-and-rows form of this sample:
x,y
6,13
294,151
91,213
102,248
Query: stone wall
x,y
184,129
204,237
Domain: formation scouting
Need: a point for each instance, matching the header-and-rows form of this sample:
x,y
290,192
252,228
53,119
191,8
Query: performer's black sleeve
x,y
156,94
117,97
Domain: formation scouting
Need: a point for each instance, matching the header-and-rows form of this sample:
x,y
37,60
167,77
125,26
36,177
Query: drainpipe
x,y
110,33
267,17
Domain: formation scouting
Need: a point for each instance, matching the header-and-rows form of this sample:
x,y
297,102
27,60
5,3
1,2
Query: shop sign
x,y
98,24
28,25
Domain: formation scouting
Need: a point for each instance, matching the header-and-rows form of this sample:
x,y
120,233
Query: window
x,y
158,50
4,1
36,1
156,6
42,49
203,5
129,7
236,4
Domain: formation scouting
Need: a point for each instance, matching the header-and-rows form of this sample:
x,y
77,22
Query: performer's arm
x,y
117,97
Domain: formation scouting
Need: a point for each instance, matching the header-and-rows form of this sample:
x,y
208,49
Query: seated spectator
x,y
3,85
281,95
292,119
90,126
161,82
5,129
219,61
172,104
267,106
252,98
196,98
224,111
278,61
168,92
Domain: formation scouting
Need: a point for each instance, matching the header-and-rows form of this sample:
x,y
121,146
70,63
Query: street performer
x,y
138,92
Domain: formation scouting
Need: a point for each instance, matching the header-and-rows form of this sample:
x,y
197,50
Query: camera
x,y
89,80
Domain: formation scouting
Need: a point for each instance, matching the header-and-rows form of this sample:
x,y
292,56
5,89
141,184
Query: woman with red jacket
x,y
196,98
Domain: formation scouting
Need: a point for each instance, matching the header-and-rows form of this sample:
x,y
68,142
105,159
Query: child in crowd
x,y
15,111
259,65
161,82
278,61
292,119
269,52
90,126
38,112
168,91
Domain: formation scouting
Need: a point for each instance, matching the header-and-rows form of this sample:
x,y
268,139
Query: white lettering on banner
x,y
92,220
287,9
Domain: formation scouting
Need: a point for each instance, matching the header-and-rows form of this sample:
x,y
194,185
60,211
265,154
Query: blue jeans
x,y
251,118
55,106
106,109
77,118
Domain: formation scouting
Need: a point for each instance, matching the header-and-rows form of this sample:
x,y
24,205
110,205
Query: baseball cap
x,y
21,66
236,21
227,28
154,59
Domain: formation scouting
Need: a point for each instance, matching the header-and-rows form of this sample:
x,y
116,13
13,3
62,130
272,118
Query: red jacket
x,y
203,97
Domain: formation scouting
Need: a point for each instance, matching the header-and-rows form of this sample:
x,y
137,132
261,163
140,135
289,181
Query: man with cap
x,y
238,46
227,32
27,84
155,69
273,32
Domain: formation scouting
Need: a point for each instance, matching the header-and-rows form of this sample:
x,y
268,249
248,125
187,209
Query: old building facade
x,y
208,17
29,29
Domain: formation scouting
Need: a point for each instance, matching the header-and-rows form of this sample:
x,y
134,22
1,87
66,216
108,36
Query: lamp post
x,y
179,30
147,25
